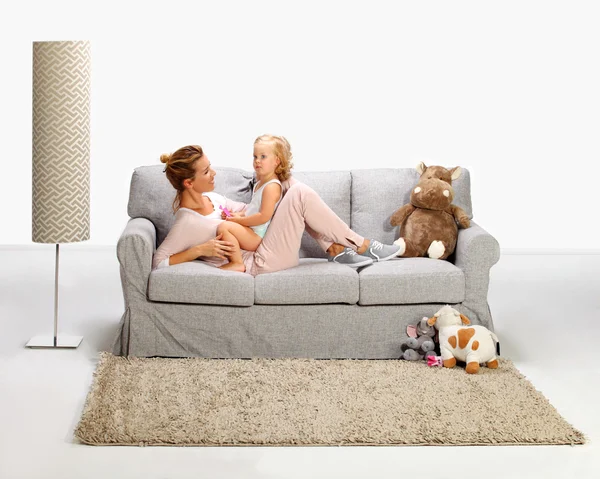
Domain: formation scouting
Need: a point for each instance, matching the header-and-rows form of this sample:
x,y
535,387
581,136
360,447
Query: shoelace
x,y
350,252
376,244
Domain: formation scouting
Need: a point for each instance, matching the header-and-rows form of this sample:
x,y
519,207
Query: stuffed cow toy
x,y
460,341
428,224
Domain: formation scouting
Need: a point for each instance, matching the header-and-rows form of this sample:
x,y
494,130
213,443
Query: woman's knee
x,y
300,190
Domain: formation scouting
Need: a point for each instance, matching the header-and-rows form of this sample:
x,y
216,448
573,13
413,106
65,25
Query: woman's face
x,y
204,181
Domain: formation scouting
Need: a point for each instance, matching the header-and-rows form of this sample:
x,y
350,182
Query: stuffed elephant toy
x,y
420,342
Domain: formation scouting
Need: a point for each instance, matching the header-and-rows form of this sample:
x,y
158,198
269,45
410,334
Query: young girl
x,y
272,164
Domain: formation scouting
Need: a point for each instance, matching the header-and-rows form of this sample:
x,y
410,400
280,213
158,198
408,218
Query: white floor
x,y
546,311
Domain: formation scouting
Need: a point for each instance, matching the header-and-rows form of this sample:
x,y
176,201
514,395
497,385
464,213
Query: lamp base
x,y
62,342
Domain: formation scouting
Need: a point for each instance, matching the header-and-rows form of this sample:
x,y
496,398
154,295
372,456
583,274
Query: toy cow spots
x,y
464,336
460,341
428,224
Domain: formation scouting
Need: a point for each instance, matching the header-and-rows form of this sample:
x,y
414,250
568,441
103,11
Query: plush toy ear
x,y
464,319
431,321
421,168
455,172
411,330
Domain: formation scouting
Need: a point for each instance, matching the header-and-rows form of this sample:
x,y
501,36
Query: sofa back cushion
x,y
364,199
378,193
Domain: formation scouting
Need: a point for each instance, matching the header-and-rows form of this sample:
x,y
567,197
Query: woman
x,y
198,214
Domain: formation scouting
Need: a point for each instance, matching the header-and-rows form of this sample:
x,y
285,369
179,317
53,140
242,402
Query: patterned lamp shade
x,y
61,142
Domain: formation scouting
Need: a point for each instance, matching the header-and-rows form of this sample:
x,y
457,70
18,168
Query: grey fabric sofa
x,y
316,310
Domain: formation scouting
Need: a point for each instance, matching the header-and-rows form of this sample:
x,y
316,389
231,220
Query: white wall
x,y
509,90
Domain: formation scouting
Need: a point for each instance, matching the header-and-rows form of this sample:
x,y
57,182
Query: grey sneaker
x,y
381,252
351,258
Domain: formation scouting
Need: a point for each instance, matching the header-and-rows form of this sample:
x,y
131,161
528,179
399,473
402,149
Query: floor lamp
x,y
61,156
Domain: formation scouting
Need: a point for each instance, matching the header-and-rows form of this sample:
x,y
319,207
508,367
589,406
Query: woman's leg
x,y
301,205
329,246
324,243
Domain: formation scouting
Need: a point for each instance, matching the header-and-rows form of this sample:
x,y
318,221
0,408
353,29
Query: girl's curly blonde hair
x,y
283,151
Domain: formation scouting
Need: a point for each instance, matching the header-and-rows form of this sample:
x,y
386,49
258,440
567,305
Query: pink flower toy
x,y
225,210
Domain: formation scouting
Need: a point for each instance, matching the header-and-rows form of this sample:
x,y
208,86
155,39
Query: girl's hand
x,y
233,215
216,247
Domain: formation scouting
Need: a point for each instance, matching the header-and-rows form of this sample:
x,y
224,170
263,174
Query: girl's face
x,y
204,181
265,160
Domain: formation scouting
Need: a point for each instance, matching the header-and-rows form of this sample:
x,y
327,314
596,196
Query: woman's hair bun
x,y
165,158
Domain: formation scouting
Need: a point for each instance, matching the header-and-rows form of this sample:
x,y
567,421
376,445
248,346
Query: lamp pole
x,y
55,341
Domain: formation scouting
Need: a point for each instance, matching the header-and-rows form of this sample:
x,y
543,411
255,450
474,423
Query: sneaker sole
x,y
367,262
389,257
360,265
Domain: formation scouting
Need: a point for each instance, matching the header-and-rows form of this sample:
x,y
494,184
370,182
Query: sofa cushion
x,y
151,195
378,193
334,188
313,281
411,281
198,282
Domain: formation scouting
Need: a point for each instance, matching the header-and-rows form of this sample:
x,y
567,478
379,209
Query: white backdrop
x,y
509,90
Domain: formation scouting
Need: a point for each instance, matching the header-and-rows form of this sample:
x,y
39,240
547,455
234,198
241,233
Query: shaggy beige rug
x,y
196,401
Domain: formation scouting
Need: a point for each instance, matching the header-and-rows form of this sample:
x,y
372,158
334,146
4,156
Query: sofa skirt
x,y
329,331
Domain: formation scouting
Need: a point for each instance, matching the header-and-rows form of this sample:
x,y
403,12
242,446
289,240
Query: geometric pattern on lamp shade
x,y
61,142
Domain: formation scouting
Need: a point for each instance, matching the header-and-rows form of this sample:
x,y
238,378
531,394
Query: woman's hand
x,y
216,247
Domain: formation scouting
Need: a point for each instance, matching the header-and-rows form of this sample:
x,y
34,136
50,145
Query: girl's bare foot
x,y
234,267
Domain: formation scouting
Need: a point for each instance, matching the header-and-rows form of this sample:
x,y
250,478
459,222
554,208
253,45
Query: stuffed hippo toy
x,y
461,341
420,342
428,224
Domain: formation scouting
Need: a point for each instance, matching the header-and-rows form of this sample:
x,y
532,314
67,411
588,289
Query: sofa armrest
x,y
476,252
135,249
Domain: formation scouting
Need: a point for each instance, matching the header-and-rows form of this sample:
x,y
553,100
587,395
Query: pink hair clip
x,y
225,210
434,361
